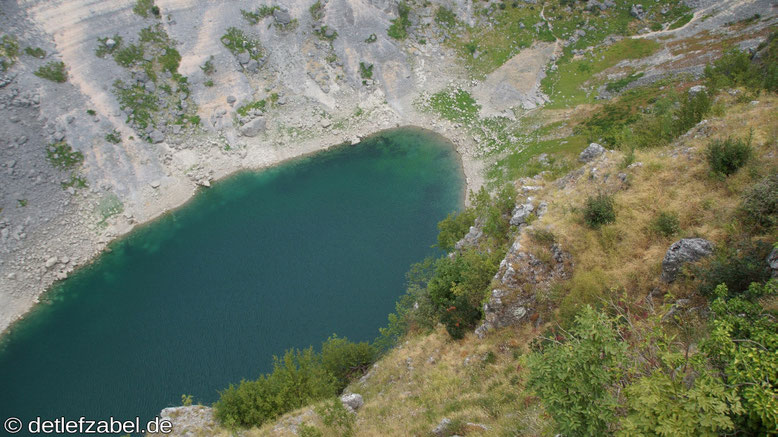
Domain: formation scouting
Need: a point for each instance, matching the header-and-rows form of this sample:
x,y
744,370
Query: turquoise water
x,y
257,264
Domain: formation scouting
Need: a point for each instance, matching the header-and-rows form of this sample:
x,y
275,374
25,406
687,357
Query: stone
x,y
110,43
591,153
637,12
156,136
521,213
252,66
352,401
772,261
154,184
244,57
693,91
440,430
253,127
326,122
282,16
329,33
231,100
51,262
681,252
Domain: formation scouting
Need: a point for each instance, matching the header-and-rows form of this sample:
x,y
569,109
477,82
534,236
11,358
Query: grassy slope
x,y
480,382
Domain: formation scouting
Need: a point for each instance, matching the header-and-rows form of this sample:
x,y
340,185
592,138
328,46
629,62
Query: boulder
x,y
521,213
772,261
591,153
282,17
352,401
637,12
156,136
442,427
693,91
244,57
681,252
253,127
231,100
252,66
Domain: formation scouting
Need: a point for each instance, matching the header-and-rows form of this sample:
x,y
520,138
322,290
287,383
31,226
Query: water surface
x,y
257,264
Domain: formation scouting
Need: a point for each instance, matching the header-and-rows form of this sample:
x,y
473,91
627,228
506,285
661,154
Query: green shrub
x,y
620,84
666,224
693,109
113,137
457,105
665,403
36,52
317,11
495,211
143,7
760,203
399,28
461,317
296,380
365,70
335,416
445,17
62,156
734,68
728,156
743,344
306,430
208,67
346,360
9,49
53,71
371,39
170,59
238,42
102,49
453,228
599,211
257,105
574,375
128,56
736,267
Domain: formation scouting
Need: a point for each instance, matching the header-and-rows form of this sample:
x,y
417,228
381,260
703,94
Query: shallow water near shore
x,y
206,295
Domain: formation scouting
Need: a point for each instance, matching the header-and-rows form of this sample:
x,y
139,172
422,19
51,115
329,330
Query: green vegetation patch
x,y
140,102
399,28
113,137
62,156
366,70
146,8
103,48
257,15
445,17
622,83
565,85
455,105
256,105
9,51
53,71
725,157
238,42
317,11
129,55
35,52
599,210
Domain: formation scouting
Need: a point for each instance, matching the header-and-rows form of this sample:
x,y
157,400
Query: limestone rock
x,y
253,127
282,16
693,91
681,252
156,136
472,237
772,261
442,427
352,401
592,152
521,213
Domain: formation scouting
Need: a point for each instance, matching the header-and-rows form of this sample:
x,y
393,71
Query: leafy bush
x,y
665,403
262,12
208,67
495,211
453,228
666,224
238,42
736,267
760,203
317,11
170,59
727,156
693,109
335,416
296,380
103,49
461,317
399,28
9,49
128,56
445,17
365,70
256,105
305,430
573,375
620,84
113,137
143,7
35,52
346,360
599,210
743,344
53,71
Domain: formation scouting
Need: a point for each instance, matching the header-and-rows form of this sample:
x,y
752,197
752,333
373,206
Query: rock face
x,y
282,17
472,237
591,153
772,261
521,213
520,276
187,421
253,127
682,252
352,401
156,136
442,428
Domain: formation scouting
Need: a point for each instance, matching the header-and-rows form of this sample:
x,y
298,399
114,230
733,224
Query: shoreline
x,y
169,202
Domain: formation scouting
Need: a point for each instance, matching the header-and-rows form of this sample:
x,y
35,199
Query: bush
x,y
666,224
399,28
573,375
335,416
62,156
238,42
346,360
9,50
760,203
693,109
365,70
461,317
453,228
53,71
36,52
128,56
296,380
743,344
445,17
728,156
599,211
736,267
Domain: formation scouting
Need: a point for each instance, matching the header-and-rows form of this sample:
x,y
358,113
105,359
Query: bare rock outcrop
x,y
681,252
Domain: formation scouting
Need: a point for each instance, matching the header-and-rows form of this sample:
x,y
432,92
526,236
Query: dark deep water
x,y
261,262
